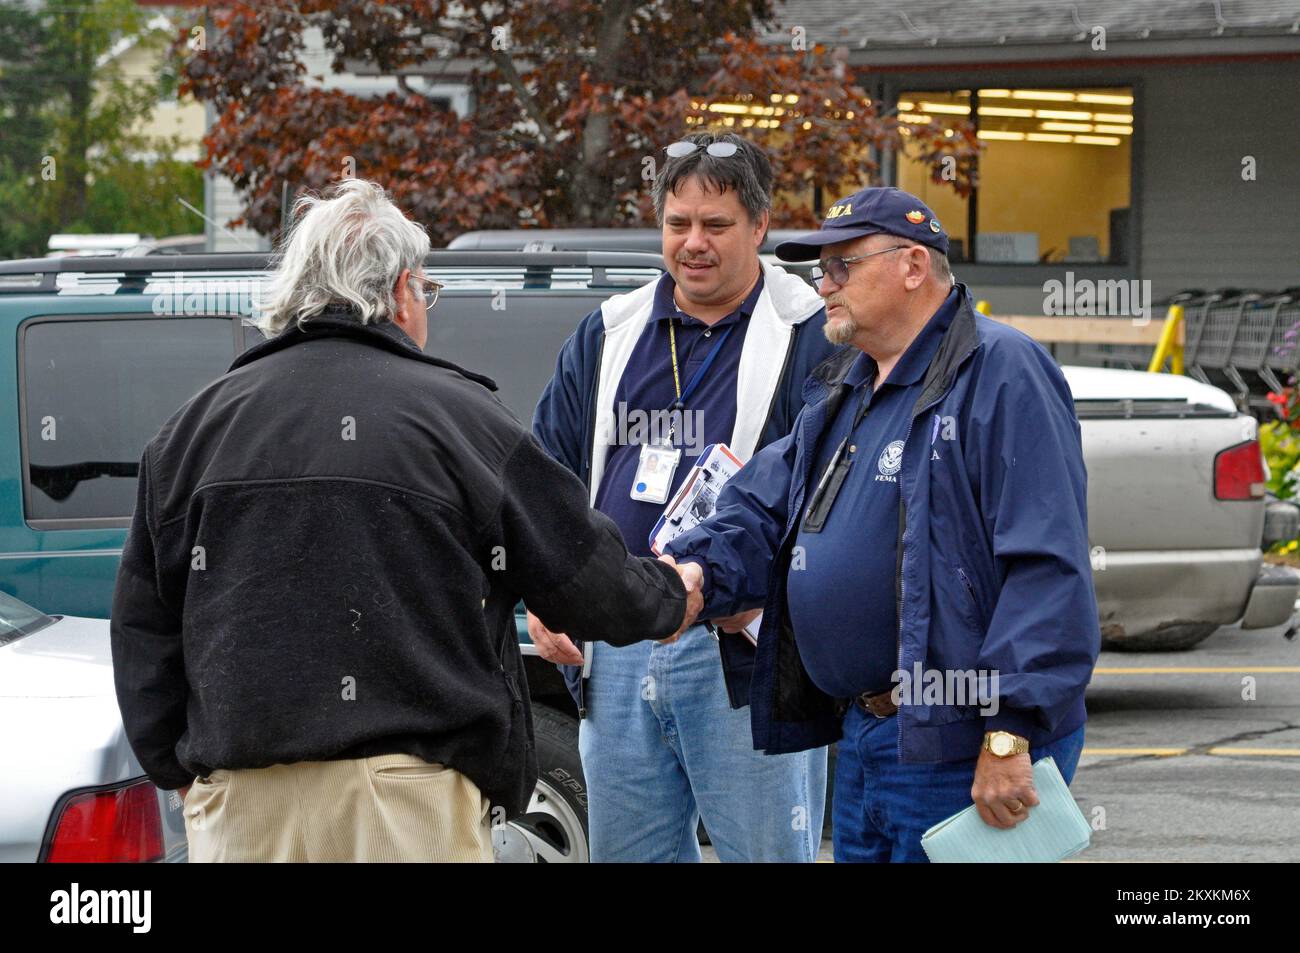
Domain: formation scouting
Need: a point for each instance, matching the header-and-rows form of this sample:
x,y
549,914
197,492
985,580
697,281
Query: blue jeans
x,y
661,747
882,806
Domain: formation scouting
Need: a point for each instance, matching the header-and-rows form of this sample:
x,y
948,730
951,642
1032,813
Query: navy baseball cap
x,y
873,211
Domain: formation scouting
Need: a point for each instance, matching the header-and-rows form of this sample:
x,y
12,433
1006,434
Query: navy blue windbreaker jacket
x,y
993,561
565,421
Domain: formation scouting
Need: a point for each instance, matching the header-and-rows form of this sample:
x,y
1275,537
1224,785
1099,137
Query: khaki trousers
x,y
392,807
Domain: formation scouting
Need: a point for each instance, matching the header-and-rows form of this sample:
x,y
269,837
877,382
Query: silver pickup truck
x,y
1176,511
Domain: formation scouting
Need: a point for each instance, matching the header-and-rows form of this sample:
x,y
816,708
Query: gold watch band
x,y
1003,744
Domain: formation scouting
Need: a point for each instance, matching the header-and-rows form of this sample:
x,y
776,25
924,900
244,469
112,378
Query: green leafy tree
x,y
69,161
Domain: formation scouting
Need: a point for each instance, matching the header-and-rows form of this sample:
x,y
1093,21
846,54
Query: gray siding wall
x,y
1202,225
224,204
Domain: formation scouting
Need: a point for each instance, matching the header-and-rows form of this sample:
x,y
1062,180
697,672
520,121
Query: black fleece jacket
x,y
326,552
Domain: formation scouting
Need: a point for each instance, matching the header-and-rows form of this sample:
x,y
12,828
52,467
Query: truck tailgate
x,y
1151,477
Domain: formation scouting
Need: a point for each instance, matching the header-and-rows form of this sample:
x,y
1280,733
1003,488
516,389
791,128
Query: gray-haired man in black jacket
x,y
314,616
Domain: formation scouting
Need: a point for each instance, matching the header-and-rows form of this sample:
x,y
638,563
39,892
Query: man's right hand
x,y
693,581
553,646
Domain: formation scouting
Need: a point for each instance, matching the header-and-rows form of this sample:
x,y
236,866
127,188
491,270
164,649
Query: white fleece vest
x,y
785,301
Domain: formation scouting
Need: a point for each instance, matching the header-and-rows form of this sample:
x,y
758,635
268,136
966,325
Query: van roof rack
x,y
136,272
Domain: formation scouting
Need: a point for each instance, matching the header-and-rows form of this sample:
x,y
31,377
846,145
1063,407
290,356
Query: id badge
x,y
654,474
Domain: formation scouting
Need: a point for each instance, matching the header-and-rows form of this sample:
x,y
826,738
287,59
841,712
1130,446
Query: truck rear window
x,y
95,391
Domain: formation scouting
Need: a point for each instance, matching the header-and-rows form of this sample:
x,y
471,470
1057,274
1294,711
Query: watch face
x,y
1001,745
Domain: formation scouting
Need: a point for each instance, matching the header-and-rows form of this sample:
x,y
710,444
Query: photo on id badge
x,y
654,474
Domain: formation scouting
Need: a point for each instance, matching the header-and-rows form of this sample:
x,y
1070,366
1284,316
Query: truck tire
x,y
1175,638
553,828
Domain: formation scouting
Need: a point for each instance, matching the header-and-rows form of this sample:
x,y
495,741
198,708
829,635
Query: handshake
x,y
559,648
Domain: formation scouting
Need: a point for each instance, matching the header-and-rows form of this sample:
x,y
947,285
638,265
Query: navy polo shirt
x,y
842,602
647,386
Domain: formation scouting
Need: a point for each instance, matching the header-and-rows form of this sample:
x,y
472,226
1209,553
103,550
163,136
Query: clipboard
x,y
697,497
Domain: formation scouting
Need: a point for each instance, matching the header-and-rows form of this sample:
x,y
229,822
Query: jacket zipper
x,y
902,531
965,581
776,393
902,523
586,480
591,402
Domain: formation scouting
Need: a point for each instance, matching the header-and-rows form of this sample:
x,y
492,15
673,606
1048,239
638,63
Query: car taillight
x,y
123,825
1239,472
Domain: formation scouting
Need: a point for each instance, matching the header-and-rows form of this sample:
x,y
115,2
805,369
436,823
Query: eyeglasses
x,y
431,289
837,269
719,150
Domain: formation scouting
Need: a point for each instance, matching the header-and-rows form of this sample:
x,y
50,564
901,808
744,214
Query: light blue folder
x,y
1054,830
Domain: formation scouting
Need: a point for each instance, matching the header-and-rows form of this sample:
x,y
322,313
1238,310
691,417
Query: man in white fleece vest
x,y
718,348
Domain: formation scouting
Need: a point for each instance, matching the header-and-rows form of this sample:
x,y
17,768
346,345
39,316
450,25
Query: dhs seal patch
x,y
891,461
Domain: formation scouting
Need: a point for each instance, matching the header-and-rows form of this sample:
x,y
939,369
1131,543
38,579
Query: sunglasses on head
x,y
837,268
719,150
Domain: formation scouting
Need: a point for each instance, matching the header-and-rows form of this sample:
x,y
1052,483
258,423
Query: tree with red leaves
x,y
573,101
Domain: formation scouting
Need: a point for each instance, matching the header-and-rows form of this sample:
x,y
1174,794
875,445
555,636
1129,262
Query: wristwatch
x,y
1003,744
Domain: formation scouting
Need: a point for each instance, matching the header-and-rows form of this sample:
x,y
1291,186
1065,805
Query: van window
x,y
94,393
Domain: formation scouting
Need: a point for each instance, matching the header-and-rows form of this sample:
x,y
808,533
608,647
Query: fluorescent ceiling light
x,y
1062,114
1052,95
1106,99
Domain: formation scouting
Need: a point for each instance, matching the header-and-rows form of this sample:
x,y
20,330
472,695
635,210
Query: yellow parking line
x,y
1207,670
1226,751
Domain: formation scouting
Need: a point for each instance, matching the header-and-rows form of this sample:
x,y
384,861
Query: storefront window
x,y
1055,180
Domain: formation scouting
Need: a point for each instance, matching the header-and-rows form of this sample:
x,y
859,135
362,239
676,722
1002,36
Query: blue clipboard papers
x,y
1053,831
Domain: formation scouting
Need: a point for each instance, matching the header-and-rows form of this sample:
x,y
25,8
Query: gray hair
x,y
940,267
347,248
747,171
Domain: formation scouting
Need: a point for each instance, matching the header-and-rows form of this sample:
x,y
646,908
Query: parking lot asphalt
x,y
1195,756
1192,756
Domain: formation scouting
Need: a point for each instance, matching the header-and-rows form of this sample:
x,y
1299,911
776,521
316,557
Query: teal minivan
x,y
89,378
97,353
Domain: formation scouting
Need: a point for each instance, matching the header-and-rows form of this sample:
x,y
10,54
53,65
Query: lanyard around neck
x,y
683,396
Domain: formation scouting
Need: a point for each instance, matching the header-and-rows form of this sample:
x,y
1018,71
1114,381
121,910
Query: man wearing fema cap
x,y
918,544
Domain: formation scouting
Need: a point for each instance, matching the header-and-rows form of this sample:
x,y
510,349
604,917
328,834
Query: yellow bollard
x,y
1169,348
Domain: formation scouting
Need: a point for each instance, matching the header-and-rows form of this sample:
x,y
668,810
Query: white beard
x,y
839,330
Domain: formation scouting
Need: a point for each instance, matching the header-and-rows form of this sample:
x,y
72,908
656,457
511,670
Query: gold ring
x,y
1020,806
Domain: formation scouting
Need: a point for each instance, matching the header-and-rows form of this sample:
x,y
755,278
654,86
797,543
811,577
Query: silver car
x,y
70,788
